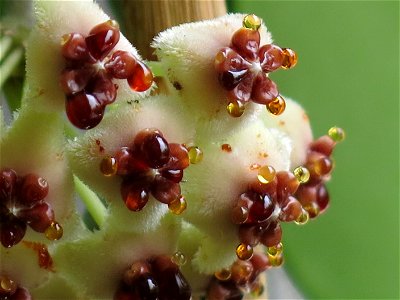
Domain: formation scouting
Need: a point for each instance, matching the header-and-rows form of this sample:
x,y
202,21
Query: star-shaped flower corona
x,y
88,62
243,68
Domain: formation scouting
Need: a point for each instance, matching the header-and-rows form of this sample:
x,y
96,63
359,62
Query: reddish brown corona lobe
x,y
157,278
91,67
22,204
151,166
243,69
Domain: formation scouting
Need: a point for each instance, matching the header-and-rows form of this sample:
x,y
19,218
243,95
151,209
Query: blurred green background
x,y
347,75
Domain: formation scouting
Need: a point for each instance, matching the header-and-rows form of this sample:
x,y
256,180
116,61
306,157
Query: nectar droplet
x,y
235,108
109,166
257,289
302,174
195,155
266,174
277,106
7,286
179,258
244,251
275,250
178,205
252,22
303,219
223,274
289,58
54,232
337,134
275,261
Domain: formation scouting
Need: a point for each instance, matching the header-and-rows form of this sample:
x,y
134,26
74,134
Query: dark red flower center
x,y
149,166
283,197
87,79
155,278
22,204
243,69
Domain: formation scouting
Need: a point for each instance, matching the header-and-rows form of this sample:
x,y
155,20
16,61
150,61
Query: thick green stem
x,y
92,202
9,64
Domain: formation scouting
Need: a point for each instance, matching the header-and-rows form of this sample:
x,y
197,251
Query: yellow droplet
x,y
303,219
252,22
275,250
65,38
235,108
223,274
178,205
195,155
276,261
244,251
219,58
54,231
277,106
7,285
109,166
266,174
179,258
289,58
337,134
302,174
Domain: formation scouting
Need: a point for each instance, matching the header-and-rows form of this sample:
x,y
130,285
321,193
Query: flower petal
x,y
294,122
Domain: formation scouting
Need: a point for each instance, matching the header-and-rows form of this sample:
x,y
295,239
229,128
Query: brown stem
x,y
146,18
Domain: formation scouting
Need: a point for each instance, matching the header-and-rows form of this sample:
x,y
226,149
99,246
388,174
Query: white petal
x,y
295,123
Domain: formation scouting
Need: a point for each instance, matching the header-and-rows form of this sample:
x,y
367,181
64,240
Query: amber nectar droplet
x,y
302,174
178,205
275,250
179,258
244,251
223,274
109,166
337,134
235,109
303,219
195,155
266,174
7,286
277,106
276,261
65,38
289,58
54,231
252,22
257,289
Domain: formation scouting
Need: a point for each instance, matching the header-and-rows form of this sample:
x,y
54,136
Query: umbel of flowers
x,y
187,186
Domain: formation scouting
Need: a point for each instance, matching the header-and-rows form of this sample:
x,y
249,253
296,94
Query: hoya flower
x,y
81,64
37,207
138,169
214,184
